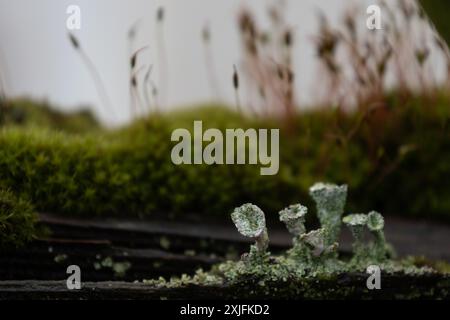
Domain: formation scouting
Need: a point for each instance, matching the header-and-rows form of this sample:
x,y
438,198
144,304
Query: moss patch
x,y
17,220
25,112
385,159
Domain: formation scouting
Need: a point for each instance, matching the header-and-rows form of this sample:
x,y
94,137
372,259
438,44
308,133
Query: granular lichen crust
x,y
281,278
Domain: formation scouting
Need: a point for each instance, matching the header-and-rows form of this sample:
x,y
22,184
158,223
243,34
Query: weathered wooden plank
x,y
163,248
408,237
141,232
343,287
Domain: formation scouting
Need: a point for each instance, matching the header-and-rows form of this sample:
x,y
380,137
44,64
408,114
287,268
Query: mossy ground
x,y
69,165
386,161
26,112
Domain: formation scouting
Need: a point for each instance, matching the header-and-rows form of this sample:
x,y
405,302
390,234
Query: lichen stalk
x,y
375,223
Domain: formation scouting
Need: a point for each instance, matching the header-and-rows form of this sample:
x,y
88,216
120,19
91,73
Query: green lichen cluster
x,y
200,277
378,250
312,257
119,268
312,253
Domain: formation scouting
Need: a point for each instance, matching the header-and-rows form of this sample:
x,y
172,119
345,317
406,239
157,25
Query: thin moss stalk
x,y
98,81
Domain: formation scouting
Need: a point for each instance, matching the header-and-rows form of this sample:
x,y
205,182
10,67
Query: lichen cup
x,y
251,222
294,218
330,202
316,241
356,223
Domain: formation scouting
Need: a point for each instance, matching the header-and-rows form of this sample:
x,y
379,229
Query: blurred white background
x,y
37,60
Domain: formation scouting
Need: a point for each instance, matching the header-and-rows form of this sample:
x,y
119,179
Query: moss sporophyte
x,y
312,256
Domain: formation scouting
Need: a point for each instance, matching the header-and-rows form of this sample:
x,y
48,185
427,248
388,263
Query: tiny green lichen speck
x,y
119,268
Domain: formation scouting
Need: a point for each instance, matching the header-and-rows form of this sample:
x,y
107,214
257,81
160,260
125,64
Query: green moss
x,y
128,171
127,174
24,112
17,220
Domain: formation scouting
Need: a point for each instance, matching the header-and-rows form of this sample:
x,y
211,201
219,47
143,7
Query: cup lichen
x,y
315,240
330,202
356,223
251,222
294,218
